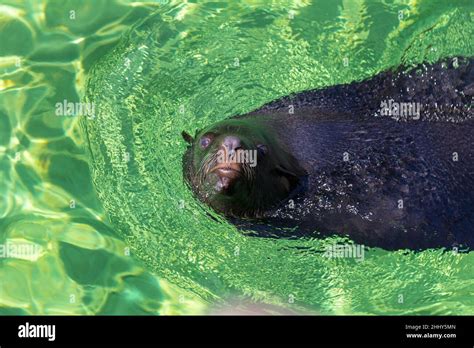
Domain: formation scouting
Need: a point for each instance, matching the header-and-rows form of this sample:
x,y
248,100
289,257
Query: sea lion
x,y
388,162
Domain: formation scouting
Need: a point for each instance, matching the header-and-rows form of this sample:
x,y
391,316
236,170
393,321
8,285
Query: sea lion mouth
x,y
229,170
227,174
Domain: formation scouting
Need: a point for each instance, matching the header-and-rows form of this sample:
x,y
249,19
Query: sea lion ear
x,y
187,137
286,172
292,174
292,170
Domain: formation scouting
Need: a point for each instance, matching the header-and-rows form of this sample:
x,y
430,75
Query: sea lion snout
x,y
227,168
231,143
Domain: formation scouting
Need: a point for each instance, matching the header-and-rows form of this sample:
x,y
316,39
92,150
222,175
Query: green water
x,y
103,197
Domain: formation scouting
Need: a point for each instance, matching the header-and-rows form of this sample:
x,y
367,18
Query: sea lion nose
x,y
231,143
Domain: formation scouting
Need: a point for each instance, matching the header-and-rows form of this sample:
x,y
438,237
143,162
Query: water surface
x,y
104,196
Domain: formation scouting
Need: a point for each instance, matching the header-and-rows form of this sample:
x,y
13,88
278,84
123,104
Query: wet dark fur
x,y
389,161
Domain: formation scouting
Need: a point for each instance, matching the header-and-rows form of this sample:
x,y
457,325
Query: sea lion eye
x,y
205,141
262,149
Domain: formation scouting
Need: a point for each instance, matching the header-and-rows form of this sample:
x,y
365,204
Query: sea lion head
x,y
239,168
